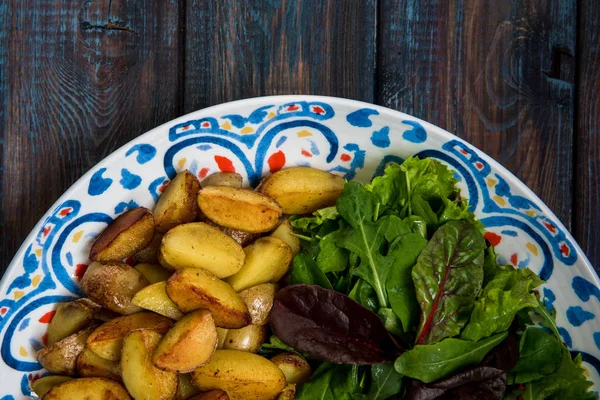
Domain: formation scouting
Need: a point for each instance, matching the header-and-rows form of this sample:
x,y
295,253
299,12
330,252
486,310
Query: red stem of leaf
x,y
427,325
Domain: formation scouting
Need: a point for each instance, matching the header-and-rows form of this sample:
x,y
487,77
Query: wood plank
x,y
497,74
246,48
587,144
81,79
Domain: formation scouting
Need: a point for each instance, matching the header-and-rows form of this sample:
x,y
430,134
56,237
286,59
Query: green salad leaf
x,y
540,354
306,271
332,382
385,382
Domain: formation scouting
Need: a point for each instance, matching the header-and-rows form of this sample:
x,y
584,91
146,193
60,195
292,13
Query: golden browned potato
x,y
154,298
126,235
241,373
61,357
221,336
89,364
211,395
113,286
88,389
249,338
303,190
284,232
295,367
289,393
185,388
177,204
100,313
241,237
199,245
194,288
153,272
259,300
231,179
43,385
149,254
107,339
267,260
68,319
188,344
141,378
240,209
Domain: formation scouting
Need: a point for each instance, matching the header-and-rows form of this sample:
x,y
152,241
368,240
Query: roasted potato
x,y
295,367
249,338
68,319
284,232
267,260
177,204
185,388
194,288
126,235
149,254
211,395
239,209
88,389
100,313
43,385
259,300
188,344
61,357
289,393
230,179
141,378
113,286
241,237
107,339
199,245
240,373
153,272
303,190
90,364
154,298
221,336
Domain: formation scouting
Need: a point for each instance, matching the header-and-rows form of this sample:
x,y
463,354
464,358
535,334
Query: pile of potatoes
x,y
186,320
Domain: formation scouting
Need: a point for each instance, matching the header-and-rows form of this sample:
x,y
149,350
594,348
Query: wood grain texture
x,y
80,78
586,193
496,73
245,48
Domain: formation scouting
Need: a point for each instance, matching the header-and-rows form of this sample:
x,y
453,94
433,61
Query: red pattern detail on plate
x,y
45,339
564,249
46,318
80,270
550,227
493,238
224,164
276,161
46,230
3,310
163,186
203,172
185,128
205,125
293,107
318,110
65,211
479,165
306,153
345,157
464,152
514,259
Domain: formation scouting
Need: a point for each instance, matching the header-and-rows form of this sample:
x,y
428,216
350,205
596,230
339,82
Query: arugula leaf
x,y
332,258
431,362
540,355
548,318
305,270
447,278
385,382
308,224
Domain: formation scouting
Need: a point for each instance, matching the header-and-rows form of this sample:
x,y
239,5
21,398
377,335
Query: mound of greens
x,y
437,317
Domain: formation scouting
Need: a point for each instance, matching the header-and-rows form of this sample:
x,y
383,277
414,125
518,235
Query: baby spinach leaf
x,y
305,271
332,382
330,326
331,257
364,294
417,225
540,355
447,278
431,362
391,321
385,382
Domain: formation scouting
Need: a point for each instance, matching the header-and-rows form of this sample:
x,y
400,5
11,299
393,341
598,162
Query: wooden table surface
x,y
519,79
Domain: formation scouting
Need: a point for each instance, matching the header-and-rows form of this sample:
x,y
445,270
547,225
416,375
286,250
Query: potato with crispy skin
x,y
289,393
141,378
221,336
69,318
153,272
188,344
113,286
177,203
285,232
231,179
211,395
149,254
154,298
249,338
90,364
61,357
107,339
239,209
126,235
259,300
195,288
43,385
199,245
303,190
88,389
295,367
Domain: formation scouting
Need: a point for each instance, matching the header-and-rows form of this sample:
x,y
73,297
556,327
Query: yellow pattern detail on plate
x,y
304,133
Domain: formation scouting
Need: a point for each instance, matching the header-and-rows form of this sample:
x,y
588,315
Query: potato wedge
x,y
185,388
221,336
177,203
267,260
239,209
100,313
194,288
129,233
149,254
245,374
284,232
249,338
259,300
88,389
141,378
69,318
61,357
188,344
113,286
43,385
153,272
289,393
295,367
107,339
231,179
154,298
211,395
303,190
90,364
199,245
